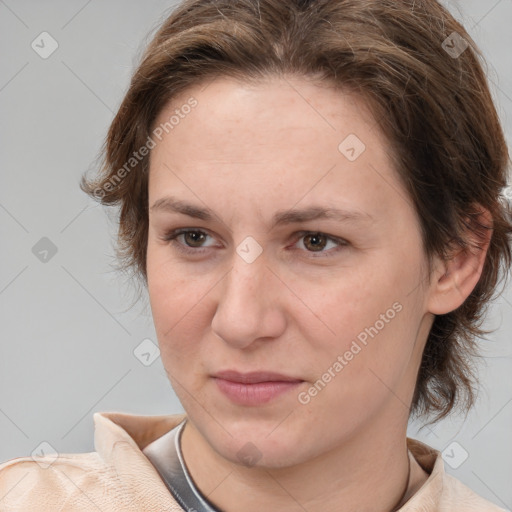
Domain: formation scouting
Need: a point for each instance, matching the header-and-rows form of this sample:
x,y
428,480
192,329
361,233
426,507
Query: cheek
x,y
342,306
367,315
179,319
374,317
175,296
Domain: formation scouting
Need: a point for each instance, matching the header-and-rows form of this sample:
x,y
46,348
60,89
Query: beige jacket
x,y
119,477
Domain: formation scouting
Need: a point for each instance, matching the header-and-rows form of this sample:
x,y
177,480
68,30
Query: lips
x,y
254,388
254,377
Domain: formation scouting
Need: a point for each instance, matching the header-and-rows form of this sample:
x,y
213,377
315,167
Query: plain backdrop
x,y
68,331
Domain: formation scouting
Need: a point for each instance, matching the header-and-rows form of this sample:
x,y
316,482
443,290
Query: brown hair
x,y
427,90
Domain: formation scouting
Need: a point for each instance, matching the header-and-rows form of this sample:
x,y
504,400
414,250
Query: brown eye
x,y
194,238
315,242
190,241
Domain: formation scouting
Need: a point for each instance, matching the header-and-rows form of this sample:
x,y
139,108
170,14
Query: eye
x,y
187,240
317,242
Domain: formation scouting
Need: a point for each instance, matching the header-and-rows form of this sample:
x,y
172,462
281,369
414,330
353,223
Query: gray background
x,y
68,329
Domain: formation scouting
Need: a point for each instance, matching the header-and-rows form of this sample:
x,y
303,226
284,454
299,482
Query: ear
x,y
455,278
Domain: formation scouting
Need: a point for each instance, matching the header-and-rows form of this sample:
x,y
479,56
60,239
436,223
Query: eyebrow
x,y
281,217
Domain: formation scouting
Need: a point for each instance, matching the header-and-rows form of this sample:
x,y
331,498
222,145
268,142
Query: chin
x,y
254,451
258,441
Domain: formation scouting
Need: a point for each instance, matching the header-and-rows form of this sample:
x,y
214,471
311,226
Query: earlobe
x,y
455,278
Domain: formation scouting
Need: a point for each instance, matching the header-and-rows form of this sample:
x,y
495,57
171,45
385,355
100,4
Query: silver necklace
x,y
165,454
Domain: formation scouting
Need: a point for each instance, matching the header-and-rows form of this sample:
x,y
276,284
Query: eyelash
x,y
173,235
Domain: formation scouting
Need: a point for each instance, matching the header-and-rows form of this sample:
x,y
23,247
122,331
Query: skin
x,y
246,152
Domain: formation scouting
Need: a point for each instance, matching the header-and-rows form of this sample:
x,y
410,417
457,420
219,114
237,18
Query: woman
x,y
312,192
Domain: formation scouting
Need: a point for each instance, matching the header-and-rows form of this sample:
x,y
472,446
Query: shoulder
x,y
48,482
441,492
117,476
456,496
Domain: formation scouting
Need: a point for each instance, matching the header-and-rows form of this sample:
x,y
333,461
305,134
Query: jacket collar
x,y
119,439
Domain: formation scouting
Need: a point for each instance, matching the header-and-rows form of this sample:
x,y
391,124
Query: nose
x,y
250,305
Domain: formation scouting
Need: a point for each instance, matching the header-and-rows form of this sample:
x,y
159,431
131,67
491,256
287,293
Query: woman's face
x,y
285,331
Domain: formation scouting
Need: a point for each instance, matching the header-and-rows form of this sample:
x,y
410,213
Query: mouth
x,y
254,388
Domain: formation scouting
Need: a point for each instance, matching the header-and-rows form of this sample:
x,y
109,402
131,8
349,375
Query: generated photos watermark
x,y
357,345
143,151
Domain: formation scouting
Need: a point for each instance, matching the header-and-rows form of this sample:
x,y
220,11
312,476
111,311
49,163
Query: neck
x,y
369,471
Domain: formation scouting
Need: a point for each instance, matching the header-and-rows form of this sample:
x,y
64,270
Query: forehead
x,y
289,137
269,111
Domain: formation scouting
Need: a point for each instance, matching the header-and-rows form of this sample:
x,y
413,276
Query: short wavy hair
x,y
423,77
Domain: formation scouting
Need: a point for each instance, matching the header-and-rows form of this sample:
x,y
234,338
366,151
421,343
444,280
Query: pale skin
x,y
246,152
